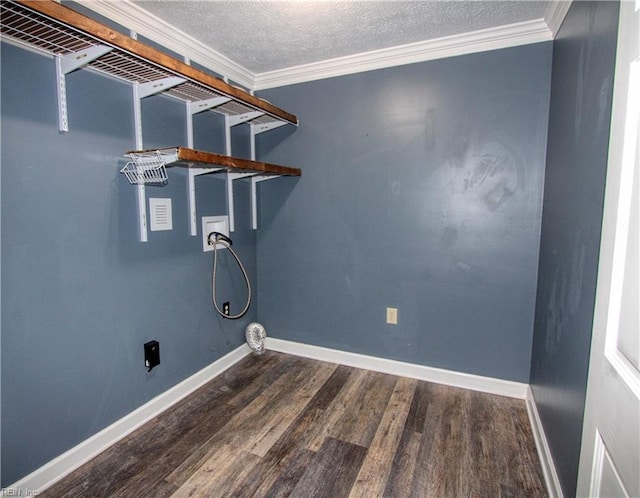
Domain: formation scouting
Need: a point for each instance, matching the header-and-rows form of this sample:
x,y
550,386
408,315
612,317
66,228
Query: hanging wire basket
x,y
146,168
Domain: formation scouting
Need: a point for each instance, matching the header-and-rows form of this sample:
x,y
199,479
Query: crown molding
x,y
132,17
136,19
511,35
555,14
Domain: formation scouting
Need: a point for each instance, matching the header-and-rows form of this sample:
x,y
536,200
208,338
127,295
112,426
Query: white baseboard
x,y
544,452
412,370
62,465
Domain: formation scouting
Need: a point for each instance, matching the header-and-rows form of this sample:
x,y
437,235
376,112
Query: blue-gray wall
x,y
80,294
582,82
422,190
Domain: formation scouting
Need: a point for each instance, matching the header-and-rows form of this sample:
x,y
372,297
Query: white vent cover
x,y
160,210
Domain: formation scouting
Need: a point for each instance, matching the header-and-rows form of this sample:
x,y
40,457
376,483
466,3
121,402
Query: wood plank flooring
x,y
277,425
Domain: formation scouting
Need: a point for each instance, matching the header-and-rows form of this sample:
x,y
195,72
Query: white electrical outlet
x,y
210,224
392,316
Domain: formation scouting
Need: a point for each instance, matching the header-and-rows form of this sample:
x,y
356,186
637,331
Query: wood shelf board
x,y
131,60
191,158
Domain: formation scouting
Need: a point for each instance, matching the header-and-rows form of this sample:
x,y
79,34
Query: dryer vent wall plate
x,y
210,224
161,216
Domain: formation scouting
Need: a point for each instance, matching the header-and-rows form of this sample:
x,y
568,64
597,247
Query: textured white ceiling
x,y
264,36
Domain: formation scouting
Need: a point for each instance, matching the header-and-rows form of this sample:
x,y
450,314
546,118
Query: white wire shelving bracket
x,y
194,108
256,129
229,123
141,91
66,64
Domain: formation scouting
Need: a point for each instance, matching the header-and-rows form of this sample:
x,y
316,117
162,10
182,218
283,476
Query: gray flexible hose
x,y
213,280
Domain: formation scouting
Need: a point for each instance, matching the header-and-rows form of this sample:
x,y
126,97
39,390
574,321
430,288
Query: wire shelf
x,y
55,29
146,169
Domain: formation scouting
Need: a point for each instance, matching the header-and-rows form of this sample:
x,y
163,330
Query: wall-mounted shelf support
x,y
141,91
191,195
254,197
193,108
205,105
243,118
234,120
260,128
157,86
256,129
230,200
66,64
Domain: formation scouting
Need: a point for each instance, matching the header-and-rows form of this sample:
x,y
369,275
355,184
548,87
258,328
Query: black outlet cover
x,y
151,354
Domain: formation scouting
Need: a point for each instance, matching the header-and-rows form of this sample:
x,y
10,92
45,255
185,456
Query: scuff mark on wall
x,y
488,169
565,296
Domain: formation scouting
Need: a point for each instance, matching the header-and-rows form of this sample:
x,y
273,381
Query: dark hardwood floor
x,y
279,425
